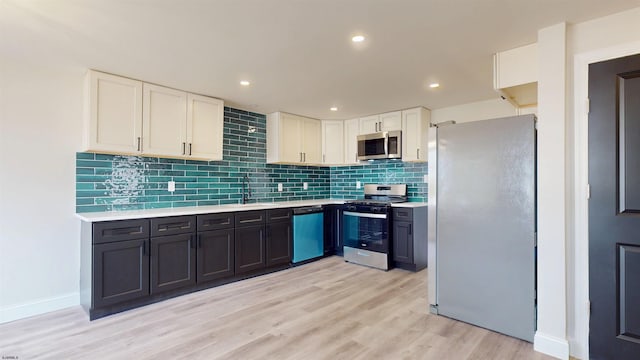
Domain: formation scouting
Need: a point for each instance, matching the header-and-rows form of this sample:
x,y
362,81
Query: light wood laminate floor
x,y
328,309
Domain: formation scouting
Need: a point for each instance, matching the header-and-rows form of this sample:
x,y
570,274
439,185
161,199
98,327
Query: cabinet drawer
x,y
402,214
278,215
121,230
173,225
215,221
247,218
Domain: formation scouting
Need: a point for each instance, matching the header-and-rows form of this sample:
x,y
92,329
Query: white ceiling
x,y
297,53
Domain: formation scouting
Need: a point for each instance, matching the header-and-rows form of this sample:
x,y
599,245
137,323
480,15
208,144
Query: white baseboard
x,y
578,350
551,346
22,311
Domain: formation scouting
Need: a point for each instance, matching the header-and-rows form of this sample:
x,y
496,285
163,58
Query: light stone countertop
x,y
195,210
409,204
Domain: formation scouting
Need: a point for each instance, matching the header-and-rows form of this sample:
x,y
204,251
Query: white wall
x,y
480,110
551,330
40,131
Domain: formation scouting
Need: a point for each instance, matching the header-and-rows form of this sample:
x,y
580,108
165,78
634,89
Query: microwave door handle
x,y
386,144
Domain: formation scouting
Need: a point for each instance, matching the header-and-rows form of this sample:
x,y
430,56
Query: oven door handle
x,y
365,215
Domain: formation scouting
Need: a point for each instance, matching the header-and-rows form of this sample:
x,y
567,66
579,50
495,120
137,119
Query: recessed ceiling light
x,y
334,109
357,38
245,83
434,85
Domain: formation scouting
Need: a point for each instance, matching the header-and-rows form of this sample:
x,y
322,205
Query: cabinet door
x,y
311,141
120,272
113,123
215,254
290,139
370,124
351,132
330,229
403,242
391,121
279,243
333,142
205,120
414,135
250,248
164,119
173,262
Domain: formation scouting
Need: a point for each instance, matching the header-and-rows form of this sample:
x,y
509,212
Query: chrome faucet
x,y
246,189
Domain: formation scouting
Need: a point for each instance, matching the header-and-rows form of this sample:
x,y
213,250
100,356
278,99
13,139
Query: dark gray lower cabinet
x,y
173,262
250,248
215,255
121,271
279,237
173,255
129,263
332,236
409,240
403,242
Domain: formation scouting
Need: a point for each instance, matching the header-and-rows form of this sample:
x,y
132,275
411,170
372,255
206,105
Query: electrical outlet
x,y
279,187
425,178
305,186
358,184
171,186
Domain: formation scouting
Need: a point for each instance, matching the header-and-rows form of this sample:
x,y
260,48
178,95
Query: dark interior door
x,y
614,209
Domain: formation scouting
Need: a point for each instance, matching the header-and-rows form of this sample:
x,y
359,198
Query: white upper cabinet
x,y
205,122
290,139
515,75
311,141
164,119
415,127
293,139
125,116
370,124
391,121
333,142
383,122
113,114
351,132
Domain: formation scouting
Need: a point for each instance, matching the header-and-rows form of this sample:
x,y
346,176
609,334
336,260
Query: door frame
x,y
578,261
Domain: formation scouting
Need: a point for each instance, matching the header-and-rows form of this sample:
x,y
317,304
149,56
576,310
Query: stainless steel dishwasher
x,y
308,234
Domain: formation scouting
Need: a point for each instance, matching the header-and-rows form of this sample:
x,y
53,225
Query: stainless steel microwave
x,y
381,145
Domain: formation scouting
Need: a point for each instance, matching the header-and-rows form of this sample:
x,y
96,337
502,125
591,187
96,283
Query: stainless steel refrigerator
x,y
482,232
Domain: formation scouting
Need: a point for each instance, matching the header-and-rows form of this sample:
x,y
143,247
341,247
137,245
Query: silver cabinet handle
x,y
418,153
324,158
139,143
304,157
184,148
300,157
190,145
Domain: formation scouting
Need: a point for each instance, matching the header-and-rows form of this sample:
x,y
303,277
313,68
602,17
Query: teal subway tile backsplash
x,y
344,178
115,182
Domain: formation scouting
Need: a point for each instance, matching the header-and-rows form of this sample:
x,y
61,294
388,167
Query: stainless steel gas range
x,y
366,225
